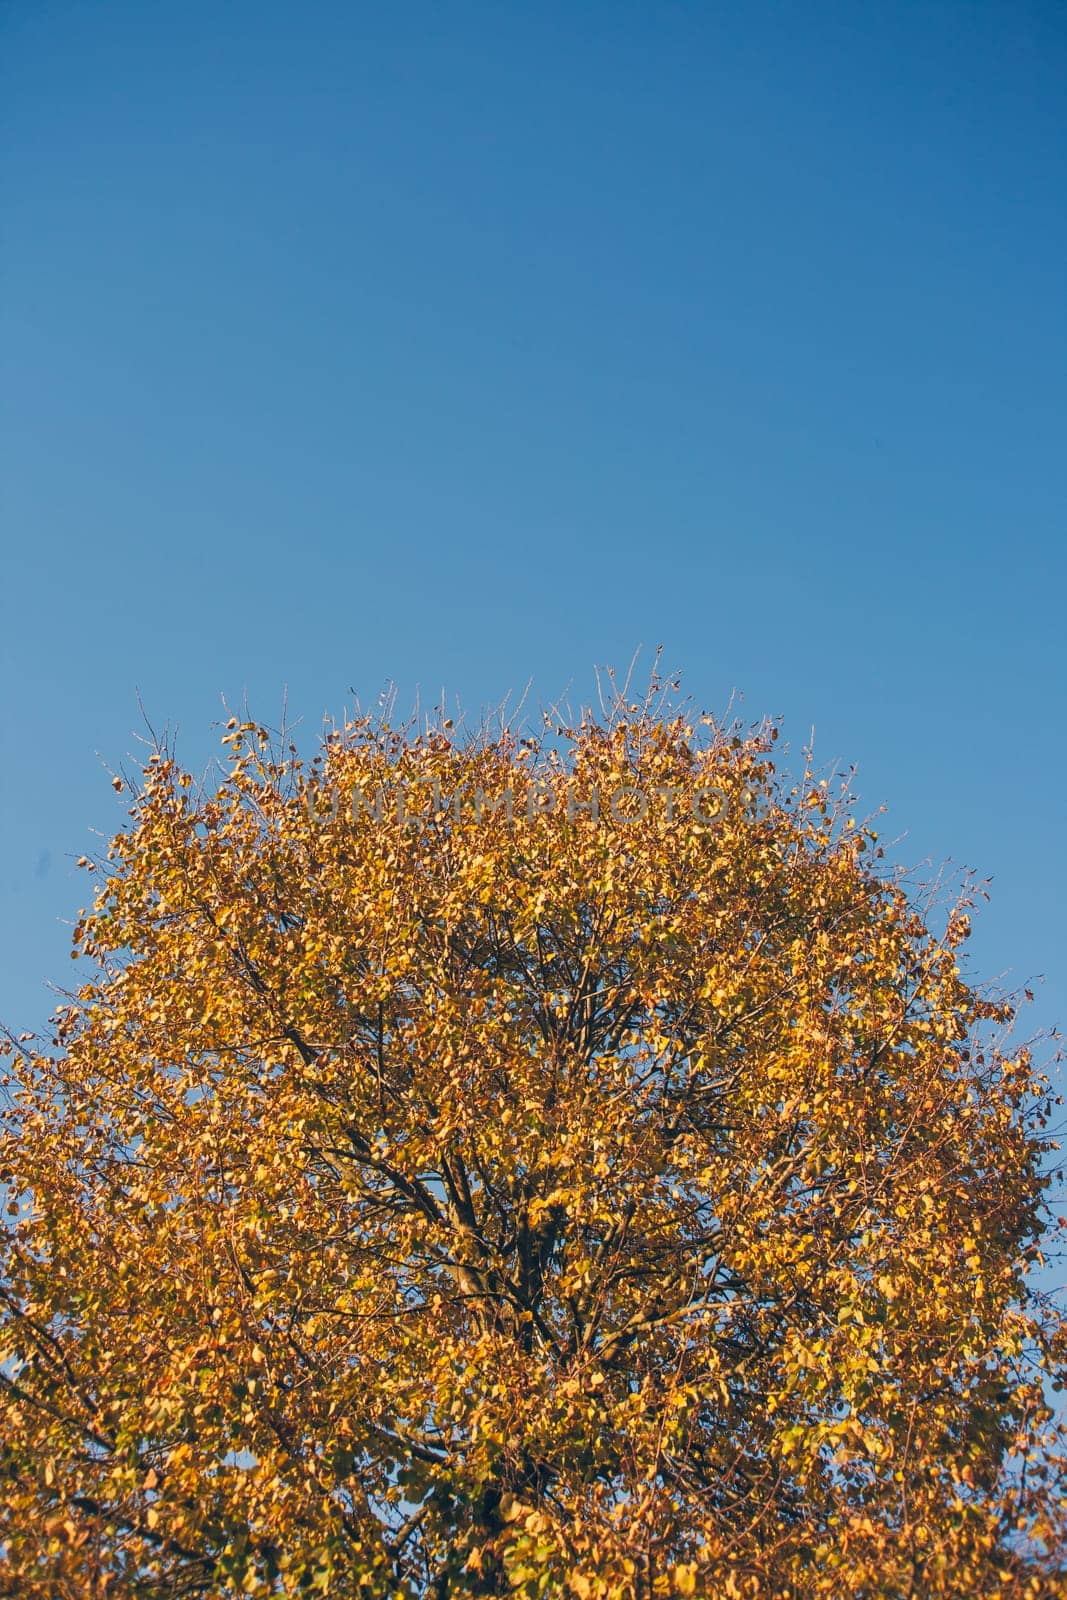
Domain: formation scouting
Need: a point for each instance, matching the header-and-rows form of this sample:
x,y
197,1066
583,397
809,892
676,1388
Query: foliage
x,y
548,1204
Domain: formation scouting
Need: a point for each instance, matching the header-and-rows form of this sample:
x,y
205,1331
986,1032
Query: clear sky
x,y
463,344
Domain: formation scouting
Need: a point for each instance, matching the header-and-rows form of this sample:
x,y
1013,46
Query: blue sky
x,y
462,345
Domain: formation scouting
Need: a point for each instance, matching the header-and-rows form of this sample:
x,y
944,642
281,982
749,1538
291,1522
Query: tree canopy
x,y
478,1165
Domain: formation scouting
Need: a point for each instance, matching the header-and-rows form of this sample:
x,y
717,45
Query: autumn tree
x,y
482,1165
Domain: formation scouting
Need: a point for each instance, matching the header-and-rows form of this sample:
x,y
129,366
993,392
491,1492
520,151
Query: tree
x,y
568,1166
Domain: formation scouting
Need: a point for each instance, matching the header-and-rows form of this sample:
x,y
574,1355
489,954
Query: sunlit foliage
x,y
426,1195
